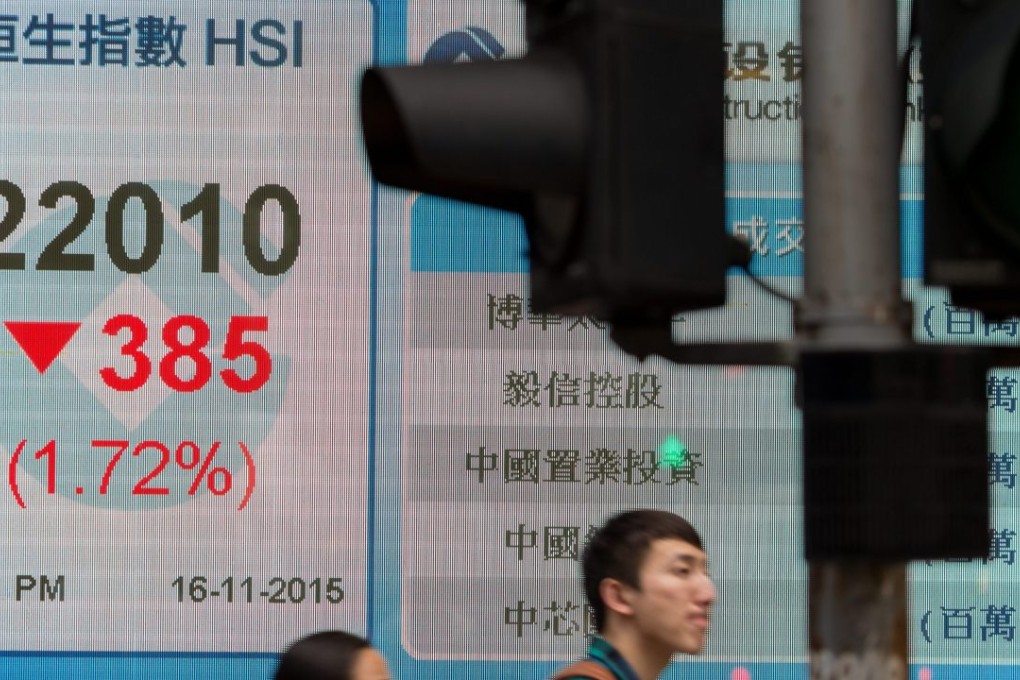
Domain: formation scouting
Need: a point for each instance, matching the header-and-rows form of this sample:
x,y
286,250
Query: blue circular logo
x,y
467,44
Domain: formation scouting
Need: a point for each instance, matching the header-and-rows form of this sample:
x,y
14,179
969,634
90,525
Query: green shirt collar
x,y
608,656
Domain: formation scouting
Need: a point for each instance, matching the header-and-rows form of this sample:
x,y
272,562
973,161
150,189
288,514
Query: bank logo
x,y
467,44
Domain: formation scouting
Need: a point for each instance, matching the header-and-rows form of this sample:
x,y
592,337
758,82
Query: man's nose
x,y
707,592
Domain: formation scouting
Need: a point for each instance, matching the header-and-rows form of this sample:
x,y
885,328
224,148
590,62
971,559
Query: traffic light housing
x,y
895,452
606,137
971,66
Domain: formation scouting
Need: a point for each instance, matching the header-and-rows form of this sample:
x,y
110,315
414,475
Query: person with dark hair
x,y
332,655
646,578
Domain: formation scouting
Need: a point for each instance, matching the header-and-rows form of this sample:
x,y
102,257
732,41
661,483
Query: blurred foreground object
x,y
606,137
971,68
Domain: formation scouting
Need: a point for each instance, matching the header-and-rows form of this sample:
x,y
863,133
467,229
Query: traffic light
x,y
895,452
606,137
971,66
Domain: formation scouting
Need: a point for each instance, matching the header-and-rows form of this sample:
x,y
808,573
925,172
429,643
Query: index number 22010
x,y
204,207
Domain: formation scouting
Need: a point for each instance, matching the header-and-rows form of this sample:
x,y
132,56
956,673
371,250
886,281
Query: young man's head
x,y
646,577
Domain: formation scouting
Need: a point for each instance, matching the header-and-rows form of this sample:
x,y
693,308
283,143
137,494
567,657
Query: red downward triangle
x,y
42,341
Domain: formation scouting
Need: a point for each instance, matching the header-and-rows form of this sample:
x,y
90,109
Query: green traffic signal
x,y
672,452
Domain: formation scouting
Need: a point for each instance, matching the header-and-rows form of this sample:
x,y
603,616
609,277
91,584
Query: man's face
x,y
370,665
674,601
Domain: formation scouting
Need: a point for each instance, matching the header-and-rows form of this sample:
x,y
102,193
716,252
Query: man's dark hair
x,y
618,550
328,655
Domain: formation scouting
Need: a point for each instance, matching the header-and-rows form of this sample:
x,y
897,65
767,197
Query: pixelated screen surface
x,y
250,394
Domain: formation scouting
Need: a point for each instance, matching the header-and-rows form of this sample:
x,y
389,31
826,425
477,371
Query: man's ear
x,y
617,596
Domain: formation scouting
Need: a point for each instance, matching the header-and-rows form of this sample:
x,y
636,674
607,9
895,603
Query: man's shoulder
x,y
585,670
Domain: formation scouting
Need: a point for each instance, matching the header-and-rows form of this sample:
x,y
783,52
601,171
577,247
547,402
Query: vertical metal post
x,y
852,287
851,151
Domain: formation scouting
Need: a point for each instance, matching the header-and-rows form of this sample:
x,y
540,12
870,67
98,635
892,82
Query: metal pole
x,y
852,287
851,127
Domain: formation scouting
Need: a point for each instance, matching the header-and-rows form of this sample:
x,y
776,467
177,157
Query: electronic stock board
x,y
249,394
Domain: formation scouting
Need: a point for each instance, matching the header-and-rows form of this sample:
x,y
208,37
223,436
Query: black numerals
x,y
134,227
53,257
